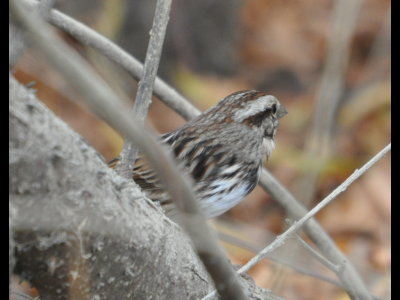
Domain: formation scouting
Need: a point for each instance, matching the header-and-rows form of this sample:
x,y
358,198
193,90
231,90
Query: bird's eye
x,y
274,109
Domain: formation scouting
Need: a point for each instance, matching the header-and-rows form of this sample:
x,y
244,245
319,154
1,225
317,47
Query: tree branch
x,y
318,256
145,88
300,223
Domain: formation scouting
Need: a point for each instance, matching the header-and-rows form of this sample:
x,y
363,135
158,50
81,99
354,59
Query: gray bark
x,y
82,232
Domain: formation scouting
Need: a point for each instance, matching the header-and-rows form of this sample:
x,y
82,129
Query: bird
x,y
223,150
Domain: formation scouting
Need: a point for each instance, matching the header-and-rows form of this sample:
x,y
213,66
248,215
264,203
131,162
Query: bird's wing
x,y
145,176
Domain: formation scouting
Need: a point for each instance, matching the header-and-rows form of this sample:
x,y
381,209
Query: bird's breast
x,y
268,145
220,195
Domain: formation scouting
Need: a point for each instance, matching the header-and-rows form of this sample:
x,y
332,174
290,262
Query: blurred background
x,y
327,61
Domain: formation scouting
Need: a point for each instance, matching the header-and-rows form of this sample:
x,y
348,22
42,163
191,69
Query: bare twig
x,y
105,104
145,88
297,225
157,34
276,258
317,255
279,241
349,278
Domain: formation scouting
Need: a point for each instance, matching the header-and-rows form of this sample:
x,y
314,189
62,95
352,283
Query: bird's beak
x,y
281,111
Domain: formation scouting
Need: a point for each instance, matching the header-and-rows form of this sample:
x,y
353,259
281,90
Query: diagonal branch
x,y
145,88
318,256
300,223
